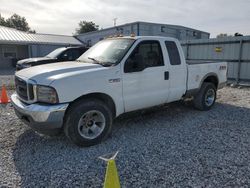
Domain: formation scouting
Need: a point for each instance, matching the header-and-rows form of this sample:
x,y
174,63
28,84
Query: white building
x,y
144,29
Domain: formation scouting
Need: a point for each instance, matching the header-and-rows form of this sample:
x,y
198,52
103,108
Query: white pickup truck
x,y
115,76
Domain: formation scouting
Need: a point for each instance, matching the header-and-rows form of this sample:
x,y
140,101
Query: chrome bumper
x,y
39,116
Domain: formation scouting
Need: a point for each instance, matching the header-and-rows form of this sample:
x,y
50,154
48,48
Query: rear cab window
x,y
173,52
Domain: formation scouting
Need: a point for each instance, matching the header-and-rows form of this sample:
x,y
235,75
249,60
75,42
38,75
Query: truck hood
x,y
46,74
31,60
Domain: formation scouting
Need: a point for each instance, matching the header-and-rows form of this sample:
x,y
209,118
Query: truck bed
x,y
192,62
198,70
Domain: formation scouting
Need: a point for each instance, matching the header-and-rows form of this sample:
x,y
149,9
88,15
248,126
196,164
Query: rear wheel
x,y
206,97
88,122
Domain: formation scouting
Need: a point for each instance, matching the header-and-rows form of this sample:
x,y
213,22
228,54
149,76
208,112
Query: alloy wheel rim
x,y
91,124
210,97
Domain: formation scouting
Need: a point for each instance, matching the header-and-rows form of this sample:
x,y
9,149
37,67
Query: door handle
x,y
166,75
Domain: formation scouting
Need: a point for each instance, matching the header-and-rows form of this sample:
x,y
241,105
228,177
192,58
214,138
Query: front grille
x,y
30,90
21,88
24,90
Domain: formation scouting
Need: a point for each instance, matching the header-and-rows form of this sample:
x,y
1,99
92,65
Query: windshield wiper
x,y
93,59
105,64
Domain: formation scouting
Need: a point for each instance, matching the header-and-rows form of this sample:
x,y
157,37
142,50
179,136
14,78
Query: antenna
x,y
115,21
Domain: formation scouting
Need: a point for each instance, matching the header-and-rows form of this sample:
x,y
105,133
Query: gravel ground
x,y
7,77
170,146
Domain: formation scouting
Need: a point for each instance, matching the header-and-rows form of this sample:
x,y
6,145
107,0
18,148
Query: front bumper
x,y
39,116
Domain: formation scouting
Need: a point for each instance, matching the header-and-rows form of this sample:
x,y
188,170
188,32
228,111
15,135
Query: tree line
x,y
16,22
20,23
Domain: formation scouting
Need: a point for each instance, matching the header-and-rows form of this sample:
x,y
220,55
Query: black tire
x,y
75,113
200,98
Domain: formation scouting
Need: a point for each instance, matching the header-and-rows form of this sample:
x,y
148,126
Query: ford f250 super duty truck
x,y
115,76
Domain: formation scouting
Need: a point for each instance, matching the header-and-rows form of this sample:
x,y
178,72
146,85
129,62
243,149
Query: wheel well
x,y
103,97
212,79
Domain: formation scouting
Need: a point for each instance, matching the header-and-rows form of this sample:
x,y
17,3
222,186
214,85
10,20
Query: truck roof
x,y
145,37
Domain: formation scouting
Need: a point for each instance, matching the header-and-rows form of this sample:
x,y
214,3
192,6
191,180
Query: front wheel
x,y
206,97
88,122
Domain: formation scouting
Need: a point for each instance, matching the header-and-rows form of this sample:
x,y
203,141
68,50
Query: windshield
x,y
108,52
55,53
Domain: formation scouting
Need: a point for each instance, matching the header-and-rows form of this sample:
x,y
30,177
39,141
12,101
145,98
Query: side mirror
x,y
134,64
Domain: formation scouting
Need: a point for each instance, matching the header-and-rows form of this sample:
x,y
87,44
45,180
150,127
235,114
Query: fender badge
x,y
114,80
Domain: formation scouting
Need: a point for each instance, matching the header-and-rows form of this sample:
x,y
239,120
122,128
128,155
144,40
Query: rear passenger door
x,y
178,71
147,86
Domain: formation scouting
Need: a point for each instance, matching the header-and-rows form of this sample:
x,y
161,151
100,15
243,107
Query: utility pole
x,y
115,21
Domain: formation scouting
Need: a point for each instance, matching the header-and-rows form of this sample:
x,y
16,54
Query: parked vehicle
x,y
115,76
58,55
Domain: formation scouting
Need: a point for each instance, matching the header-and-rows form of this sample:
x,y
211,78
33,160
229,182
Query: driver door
x,y
145,78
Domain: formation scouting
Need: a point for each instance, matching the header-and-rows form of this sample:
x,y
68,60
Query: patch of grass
x,y
11,86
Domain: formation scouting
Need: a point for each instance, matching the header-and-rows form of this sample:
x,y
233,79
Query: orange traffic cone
x,y
4,97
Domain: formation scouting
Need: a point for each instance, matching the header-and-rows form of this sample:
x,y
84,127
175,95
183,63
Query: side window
x,y
70,55
9,52
75,54
146,54
173,53
65,56
82,50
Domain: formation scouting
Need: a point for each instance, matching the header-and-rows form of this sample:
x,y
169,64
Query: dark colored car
x,y
58,55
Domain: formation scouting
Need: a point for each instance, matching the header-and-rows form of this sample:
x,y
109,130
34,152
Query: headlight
x,y
26,65
46,94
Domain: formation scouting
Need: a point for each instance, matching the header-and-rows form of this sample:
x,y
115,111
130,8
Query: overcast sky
x,y
62,16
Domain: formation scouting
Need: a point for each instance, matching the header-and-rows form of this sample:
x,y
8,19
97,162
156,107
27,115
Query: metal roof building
x,y
15,44
234,50
144,29
13,36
